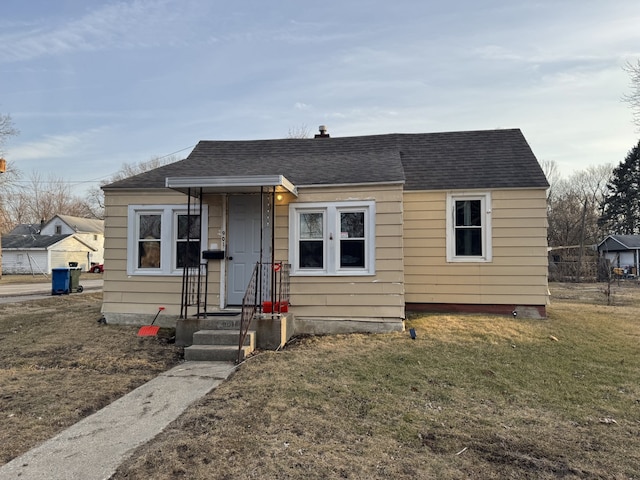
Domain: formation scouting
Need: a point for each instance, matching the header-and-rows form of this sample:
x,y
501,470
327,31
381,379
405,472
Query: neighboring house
x,y
371,226
622,251
38,254
37,248
89,230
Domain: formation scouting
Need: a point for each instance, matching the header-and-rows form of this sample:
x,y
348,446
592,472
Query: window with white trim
x,y
469,227
335,238
186,239
162,239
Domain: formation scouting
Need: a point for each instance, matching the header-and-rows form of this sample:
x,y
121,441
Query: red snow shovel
x,y
150,330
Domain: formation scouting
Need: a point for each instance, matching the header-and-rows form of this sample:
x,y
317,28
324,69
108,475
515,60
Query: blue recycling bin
x,y
60,278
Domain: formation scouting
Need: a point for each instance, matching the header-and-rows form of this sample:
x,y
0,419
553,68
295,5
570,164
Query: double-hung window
x,y
335,238
469,228
148,230
187,239
163,239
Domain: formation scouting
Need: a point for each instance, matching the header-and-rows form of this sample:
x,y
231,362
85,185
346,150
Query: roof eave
x,y
231,184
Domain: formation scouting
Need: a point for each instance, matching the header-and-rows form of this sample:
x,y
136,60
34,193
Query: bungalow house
x,y
37,248
622,252
353,230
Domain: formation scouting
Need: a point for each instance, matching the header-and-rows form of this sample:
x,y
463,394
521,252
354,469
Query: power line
x,y
97,179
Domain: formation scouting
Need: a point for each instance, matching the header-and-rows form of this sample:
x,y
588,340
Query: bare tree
x,y
8,181
12,174
552,172
95,196
592,185
301,131
633,98
39,199
575,205
7,129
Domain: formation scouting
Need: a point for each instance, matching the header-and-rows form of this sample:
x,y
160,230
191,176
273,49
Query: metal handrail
x,y
249,306
269,283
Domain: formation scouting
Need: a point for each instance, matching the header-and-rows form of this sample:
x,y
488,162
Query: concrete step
x,y
231,322
185,328
215,353
223,337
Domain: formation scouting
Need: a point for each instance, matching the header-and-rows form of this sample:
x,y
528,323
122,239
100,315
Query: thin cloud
x,y
120,25
54,146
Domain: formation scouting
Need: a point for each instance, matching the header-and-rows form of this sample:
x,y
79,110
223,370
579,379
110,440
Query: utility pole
x,y
3,168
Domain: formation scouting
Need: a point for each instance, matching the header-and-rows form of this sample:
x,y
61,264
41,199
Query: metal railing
x,y
195,281
267,292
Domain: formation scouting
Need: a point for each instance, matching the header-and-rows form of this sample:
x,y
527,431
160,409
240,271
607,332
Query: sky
x,y
92,85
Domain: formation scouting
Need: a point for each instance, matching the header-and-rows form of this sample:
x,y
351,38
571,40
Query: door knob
x,y
230,258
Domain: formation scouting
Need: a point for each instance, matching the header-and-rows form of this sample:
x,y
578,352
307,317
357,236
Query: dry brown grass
x,y
472,397
58,365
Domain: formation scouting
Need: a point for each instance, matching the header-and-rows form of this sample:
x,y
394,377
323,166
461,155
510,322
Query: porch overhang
x,y
231,184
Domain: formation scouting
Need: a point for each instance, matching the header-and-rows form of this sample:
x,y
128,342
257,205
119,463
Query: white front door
x,y
243,244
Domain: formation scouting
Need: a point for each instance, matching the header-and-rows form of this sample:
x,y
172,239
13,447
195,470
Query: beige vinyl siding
x,y
517,274
370,297
376,296
143,294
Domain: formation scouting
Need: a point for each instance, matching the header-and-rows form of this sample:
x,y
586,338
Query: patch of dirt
x,y
59,365
471,397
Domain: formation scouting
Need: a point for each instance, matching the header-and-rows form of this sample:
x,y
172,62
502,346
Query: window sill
x,y
468,260
332,274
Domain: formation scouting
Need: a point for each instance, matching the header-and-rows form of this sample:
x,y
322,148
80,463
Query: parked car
x,y
97,268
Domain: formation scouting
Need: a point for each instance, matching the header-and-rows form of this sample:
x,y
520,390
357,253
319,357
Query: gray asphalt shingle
x,y
426,161
620,243
31,241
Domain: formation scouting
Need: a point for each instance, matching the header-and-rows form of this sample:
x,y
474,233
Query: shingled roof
x,y
81,224
25,229
620,243
28,242
426,161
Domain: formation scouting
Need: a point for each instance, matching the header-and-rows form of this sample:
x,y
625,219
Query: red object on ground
x,y
266,306
150,330
282,307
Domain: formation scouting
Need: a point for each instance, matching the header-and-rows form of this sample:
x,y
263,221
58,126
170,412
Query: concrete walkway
x,y
96,446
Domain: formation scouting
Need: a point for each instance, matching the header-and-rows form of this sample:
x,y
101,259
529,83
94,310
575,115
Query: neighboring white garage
x,y
38,254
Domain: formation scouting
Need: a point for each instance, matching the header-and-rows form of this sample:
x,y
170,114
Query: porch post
x,y
261,247
273,247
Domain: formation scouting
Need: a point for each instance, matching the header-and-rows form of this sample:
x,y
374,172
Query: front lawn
x,y
471,397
